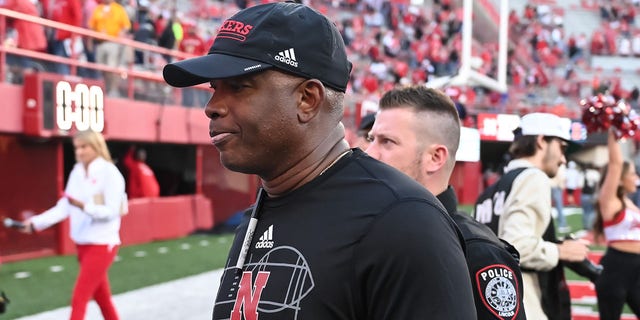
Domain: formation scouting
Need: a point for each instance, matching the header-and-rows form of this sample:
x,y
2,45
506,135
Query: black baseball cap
x,y
367,122
288,36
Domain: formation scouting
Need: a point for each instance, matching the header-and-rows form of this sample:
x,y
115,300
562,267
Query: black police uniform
x,y
493,266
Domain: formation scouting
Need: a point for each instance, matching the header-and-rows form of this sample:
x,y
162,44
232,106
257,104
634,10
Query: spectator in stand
x,y
605,13
624,46
462,109
582,43
89,47
111,19
529,13
193,44
618,220
59,42
141,181
94,200
597,43
161,21
30,35
515,26
145,31
373,17
171,33
610,36
573,50
635,44
131,8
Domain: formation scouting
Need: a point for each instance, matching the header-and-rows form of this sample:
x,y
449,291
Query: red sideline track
x,y
583,292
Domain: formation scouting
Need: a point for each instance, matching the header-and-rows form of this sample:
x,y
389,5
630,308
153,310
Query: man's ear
x,y
540,142
434,158
312,96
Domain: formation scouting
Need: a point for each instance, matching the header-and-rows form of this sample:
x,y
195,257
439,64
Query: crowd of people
x,y
389,42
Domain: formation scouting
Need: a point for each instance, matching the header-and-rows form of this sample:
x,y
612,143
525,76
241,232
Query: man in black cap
x,y
417,130
334,234
362,135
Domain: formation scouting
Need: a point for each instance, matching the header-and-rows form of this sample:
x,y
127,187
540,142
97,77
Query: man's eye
x,y
237,86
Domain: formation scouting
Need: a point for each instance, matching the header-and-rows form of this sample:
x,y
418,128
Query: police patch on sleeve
x,y
498,290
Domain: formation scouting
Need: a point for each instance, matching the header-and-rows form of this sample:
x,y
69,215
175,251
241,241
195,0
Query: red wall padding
x,y
136,226
229,191
29,181
203,212
171,217
466,180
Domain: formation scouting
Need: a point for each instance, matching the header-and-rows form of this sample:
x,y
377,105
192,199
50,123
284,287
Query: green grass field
x,y
50,280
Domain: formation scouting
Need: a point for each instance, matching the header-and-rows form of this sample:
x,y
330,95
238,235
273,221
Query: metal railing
x,y
136,78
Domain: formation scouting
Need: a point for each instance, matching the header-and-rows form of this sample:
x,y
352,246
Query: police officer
x,y
417,131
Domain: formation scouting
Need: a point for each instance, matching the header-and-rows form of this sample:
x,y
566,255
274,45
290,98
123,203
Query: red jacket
x,y
192,43
141,181
64,11
30,35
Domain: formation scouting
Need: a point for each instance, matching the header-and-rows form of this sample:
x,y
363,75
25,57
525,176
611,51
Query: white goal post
x,y
466,75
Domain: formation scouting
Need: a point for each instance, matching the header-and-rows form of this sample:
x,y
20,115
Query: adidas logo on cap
x,y
287,56
266,240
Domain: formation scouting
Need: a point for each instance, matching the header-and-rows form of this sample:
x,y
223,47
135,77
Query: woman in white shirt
x,y
94,200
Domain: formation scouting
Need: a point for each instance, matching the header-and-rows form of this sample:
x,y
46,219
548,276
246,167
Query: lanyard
x,y
251,228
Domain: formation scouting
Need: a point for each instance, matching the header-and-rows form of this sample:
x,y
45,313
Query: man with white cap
x,y
519,211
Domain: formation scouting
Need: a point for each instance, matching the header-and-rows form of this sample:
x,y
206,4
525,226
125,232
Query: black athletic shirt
x,y
493,265
362,241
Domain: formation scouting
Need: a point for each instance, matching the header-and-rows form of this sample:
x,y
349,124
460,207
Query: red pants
x,y
93,281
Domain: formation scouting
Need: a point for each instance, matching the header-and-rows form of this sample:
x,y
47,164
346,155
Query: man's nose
x,y
216,107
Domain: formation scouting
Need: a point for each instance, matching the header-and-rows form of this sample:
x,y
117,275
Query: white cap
x,y
545,124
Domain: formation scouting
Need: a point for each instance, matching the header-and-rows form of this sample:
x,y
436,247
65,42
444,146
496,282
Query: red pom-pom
x,y
601,112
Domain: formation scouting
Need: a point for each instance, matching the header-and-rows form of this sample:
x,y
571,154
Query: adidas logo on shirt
x,y
288,57
266,240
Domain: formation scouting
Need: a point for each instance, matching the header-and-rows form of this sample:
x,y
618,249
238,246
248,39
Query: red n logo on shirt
x,y
247,297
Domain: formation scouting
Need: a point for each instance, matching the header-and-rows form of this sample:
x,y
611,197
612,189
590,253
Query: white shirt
x,y
99,223
624,47
573,178
635,44
625,227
